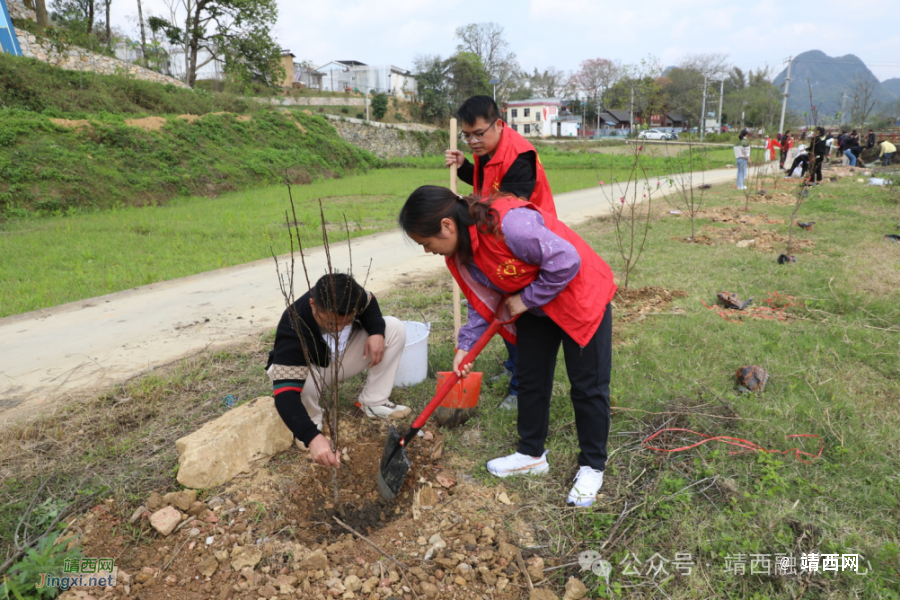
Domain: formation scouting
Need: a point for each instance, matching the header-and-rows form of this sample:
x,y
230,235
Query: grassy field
x,y
833,364
49,261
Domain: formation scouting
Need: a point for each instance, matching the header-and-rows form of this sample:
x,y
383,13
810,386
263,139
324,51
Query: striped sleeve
x,y
287,387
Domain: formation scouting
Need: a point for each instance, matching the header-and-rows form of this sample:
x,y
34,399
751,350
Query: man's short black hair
x,y
339,293
478,106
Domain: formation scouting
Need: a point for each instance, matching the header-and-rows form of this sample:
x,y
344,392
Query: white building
x,y
213,69
343,75
541,117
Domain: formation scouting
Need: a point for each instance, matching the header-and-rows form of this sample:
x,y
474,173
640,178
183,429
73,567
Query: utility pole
x,y
843,103
631,122
721,93
703,111
787,83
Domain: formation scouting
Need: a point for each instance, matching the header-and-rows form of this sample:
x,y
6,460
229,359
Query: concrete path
x,y
52,356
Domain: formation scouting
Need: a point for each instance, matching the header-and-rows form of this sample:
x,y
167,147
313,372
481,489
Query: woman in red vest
x,y
560,289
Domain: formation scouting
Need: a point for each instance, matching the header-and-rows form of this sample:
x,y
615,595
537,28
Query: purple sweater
x,y
530,241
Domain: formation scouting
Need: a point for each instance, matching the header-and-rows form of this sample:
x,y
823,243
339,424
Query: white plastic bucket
x,y
414,361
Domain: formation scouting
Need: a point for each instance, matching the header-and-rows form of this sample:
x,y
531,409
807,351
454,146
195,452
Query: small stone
x,y
352,583
575,589
208,566
196,509
746,244
314,562
541,594
154,502
181,500
137,514
165,520
503,498
535,568
502,583
459,580
421,540
445,479
430,590
267,591
244,556
507,551
428,497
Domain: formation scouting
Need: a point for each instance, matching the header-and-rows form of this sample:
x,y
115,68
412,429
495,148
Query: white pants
x,y
380,381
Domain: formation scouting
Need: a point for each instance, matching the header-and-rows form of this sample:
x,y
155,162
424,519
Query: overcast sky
x,y
546,33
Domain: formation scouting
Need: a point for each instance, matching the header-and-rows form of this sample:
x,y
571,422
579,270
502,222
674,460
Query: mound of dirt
x,y
276,534
644,301
147,123
730,214
71,123
188,118
761,240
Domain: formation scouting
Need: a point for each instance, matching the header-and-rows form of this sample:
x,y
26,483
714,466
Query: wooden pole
x,y
457,313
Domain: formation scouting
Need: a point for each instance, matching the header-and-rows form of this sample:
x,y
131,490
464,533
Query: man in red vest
x,y
504,162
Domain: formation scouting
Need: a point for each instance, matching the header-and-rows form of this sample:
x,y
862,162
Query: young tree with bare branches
x,y
330,333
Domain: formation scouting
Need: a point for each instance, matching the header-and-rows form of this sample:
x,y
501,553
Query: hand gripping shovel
x,y
395,463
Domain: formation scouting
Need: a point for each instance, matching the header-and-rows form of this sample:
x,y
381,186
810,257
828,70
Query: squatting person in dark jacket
x,y
337,317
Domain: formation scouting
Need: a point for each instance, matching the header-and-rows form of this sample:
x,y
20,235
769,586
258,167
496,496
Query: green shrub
x,y
345,110
47,557
360,115
379,105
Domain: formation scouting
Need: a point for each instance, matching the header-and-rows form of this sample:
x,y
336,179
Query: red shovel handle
x,y
442,392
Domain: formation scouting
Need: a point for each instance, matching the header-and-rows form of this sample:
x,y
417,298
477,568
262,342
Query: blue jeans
x,y
742,172
852,157
886,159
510,365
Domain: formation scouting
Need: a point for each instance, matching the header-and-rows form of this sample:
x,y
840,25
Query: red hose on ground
x,y
747,445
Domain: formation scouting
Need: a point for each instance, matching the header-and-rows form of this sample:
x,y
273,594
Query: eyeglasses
x,y
475,136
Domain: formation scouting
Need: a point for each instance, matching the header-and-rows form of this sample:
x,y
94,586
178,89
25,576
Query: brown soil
x,y
147,123
188,118
730,214
763,240
71,123
273,532
644,301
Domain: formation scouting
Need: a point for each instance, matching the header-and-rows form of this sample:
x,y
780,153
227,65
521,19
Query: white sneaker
x,y
511,402
518,464
388,410
587,484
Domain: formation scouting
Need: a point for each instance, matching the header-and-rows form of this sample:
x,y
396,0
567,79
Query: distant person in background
x,y
829,142
771,145
801,160
787,145
852,148
887,152
870,139
820,150
742,157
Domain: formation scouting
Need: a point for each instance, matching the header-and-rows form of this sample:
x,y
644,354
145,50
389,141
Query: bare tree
x,y
487,42
596,76
712,64
548,84
685,197
862,98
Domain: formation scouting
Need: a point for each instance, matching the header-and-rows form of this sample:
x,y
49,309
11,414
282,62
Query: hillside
x,y
829,77
892,85
71,142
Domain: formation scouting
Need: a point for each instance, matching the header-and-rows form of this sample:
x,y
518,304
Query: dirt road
x,y
53,356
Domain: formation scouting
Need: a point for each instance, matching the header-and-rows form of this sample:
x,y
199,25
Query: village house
x,y
541,117
349,75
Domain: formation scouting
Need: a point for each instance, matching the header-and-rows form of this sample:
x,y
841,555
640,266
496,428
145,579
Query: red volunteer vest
x,y
578,309
508,150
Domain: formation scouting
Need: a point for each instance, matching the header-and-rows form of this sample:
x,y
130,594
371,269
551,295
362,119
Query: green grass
x,y
49,168
833,374
31,85
50,261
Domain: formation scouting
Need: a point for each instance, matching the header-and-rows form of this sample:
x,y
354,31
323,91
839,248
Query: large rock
x,y
228,446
